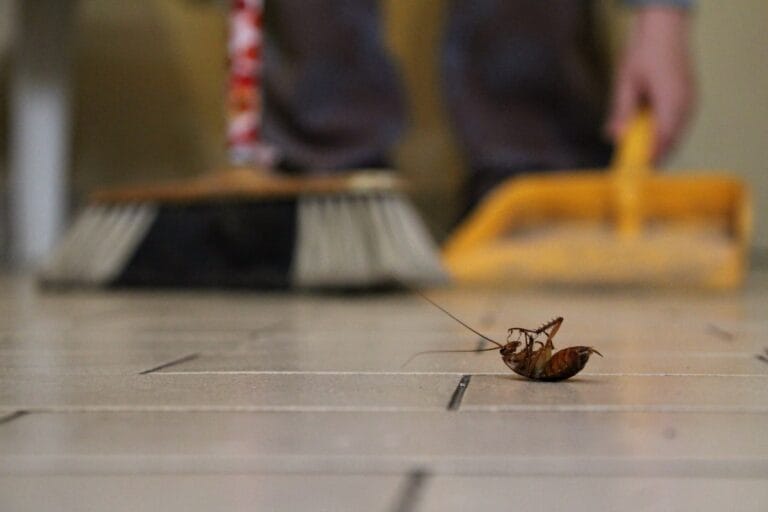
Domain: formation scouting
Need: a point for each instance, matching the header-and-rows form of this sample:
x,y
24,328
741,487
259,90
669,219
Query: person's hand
x,y
655,71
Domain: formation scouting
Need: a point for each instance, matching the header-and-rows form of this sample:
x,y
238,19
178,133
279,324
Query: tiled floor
x,y
212,401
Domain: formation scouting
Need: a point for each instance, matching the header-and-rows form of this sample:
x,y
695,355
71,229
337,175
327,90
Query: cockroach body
x,y
543,363
520,354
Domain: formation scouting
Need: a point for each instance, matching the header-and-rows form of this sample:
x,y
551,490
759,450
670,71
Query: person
x,y
523,80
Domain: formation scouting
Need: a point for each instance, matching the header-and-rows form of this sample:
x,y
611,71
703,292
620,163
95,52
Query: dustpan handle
x,y
634,152
631,165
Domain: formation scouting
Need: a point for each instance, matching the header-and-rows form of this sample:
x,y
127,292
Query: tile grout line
x,y
458,394
431,373
409,498
585,409
189,357
13,416
719,332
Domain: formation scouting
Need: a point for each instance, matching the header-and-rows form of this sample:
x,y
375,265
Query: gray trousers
x,y
523,80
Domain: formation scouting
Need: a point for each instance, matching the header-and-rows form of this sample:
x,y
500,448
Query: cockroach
x,y
520,352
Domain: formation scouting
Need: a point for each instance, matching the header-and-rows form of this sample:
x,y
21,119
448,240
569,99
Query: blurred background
x,y
147,95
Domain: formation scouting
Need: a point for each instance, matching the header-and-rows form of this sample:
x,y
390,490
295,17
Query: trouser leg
x,y
333,99
525,87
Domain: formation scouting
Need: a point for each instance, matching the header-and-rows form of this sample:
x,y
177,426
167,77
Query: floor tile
x,y
537,494
566,443
46,363
51,343
157,391
187,493
673,393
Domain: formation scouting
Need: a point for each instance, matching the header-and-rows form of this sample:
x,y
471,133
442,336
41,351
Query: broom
x,y
249,226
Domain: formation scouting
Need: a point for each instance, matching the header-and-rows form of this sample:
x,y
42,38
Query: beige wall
x,y
150,73
731,128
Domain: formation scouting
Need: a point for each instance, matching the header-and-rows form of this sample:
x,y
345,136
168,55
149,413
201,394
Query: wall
x,y
730,130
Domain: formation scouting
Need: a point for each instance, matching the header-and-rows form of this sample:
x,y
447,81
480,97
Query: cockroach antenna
x,y
423,352
438,306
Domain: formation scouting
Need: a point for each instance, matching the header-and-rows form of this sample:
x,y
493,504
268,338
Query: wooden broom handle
x,y
245,183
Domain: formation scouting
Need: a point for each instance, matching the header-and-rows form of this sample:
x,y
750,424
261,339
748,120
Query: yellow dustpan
x,y
627,226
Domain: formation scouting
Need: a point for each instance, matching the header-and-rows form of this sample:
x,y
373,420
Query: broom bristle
x,y
363,239
98,246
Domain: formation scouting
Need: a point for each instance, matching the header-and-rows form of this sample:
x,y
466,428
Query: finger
x,y
626,98
665,114
670,109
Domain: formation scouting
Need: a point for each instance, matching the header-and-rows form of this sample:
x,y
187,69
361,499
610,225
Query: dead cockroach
x,y
522,356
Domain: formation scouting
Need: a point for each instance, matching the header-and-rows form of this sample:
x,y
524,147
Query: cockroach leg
x,y
555,325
